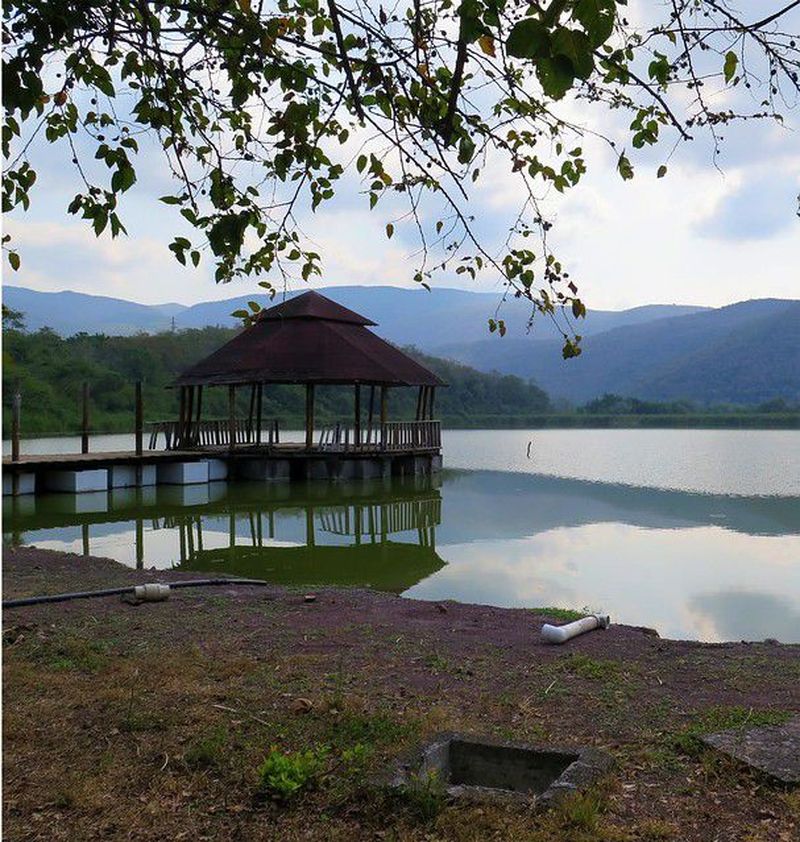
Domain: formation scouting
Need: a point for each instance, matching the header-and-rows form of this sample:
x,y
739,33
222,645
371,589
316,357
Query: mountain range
x,y
744,353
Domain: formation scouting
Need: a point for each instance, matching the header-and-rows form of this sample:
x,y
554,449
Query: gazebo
x,y
312,341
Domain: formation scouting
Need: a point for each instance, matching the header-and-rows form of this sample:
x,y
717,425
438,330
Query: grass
x,y
207,751
563,615
688,740
585,666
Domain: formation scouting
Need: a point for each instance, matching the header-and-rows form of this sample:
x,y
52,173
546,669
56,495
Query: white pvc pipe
x,y
561,634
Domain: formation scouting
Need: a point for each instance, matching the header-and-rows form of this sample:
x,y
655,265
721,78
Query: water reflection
x,y
707,567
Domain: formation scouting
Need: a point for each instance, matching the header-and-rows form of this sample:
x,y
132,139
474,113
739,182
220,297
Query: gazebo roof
x,y
308,339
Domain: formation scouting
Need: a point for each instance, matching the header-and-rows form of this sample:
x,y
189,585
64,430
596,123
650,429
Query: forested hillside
x,y
49,371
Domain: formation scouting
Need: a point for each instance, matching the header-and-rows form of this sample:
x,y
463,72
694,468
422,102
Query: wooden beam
x,y
232,415
181,418
259,411
309,416
138,418
85,424
187,430
251,413
357,418
16,418
419,403
198,414
430,405
371,414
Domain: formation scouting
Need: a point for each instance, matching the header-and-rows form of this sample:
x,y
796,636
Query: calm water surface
x,y
695,533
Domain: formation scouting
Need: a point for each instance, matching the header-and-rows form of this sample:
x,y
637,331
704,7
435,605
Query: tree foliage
x,y
261,109
49,372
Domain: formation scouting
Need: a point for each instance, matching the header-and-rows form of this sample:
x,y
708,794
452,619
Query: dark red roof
x,y
312,305
309,339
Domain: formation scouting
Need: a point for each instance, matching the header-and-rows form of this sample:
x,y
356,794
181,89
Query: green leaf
x,y
731,63
662,171
625,168
555,75
240,314
13,259
574,45
597,19
528,39
389,230
361,163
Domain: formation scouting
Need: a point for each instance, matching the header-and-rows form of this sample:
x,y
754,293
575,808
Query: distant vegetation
x,y
49,371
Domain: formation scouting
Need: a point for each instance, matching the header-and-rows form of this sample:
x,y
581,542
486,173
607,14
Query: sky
x,y
704,234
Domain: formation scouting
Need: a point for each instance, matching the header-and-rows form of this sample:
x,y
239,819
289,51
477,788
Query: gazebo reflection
x,y
388,544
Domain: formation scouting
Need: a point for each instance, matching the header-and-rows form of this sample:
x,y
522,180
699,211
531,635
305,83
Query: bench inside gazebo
x,y
312,341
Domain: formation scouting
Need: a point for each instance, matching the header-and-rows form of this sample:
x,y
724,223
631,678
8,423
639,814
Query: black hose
x,y
183,583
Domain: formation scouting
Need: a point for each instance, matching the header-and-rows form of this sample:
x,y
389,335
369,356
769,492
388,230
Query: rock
x,y
773,749
310,597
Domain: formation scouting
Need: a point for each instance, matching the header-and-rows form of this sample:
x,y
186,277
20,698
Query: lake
x,y
693,532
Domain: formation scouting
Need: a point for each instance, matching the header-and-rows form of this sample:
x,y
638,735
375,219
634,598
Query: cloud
x,y
760,206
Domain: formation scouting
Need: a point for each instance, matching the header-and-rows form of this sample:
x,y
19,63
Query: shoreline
x,y
105,704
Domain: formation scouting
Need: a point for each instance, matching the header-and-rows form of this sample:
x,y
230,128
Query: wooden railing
x,y
392,436
211,432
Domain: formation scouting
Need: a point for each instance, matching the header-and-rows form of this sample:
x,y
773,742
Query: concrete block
x,y
264,470
184,495
77,482
129,498
26,483
124,476
88,502
217,469
183,473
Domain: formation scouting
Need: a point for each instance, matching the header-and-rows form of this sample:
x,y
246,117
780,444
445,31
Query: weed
x,y
689,742
592,668
284,774
581,810
349,729
564,615
206,752
75,653
656,830
425,795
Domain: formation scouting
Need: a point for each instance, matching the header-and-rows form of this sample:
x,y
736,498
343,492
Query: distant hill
x,y
745,353
428,320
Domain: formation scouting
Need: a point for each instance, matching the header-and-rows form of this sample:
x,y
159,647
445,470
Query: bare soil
x,y
151,722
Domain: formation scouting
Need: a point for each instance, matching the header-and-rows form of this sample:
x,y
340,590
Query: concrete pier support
x,y
183,473
77,482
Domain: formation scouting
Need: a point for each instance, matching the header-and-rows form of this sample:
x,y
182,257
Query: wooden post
x,y
197,416
419,402
85,537
16,417
188,437
259,408
139,543
85,425
181,420
430,405
251,413
384,404
370,413
232,415
357,419
309,416
138,418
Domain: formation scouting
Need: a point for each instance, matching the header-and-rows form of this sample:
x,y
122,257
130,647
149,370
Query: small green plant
x,y
284,774
75,653
425,795
206,752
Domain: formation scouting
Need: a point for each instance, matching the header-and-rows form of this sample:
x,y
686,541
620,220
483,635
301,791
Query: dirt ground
x,y
152,721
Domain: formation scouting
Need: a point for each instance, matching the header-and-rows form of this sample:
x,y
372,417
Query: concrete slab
x,y
26,483
77,482
125,476
772,749
183,473
185,495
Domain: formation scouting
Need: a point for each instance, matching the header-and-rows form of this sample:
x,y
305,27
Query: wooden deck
x,y
285,450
